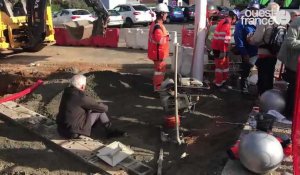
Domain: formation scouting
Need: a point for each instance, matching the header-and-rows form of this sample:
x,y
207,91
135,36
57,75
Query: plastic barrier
x,y
110,39
60,36
296,127
185,59
130,38
173,41
22,93
187,37
142,39
70,41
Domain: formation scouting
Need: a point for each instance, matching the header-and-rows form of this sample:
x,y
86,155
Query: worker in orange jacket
x,y
221,47
158,45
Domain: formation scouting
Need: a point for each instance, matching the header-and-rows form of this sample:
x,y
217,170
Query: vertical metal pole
x,y
176,94
200,34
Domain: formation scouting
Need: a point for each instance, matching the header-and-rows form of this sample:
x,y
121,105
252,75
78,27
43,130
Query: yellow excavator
x,y
27,24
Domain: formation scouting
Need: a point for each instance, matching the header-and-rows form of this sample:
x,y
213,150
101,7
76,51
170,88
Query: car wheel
x,y
128,23
146,24
185,19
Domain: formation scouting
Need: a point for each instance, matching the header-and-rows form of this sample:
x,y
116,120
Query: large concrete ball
x,y
272,100
260,152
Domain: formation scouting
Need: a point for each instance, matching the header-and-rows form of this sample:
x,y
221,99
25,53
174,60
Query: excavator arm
x,y
85,29
100,24
80,30
27,24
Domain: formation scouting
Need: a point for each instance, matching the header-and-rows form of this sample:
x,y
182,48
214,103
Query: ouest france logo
x,y
265,17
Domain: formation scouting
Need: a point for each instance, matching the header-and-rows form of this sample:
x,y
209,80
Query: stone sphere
x,y
260,152
272,100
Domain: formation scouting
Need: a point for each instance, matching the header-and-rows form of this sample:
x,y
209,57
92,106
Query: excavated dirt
x,y
133,108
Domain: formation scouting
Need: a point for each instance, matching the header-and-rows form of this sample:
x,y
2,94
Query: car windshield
x,y
176,9
140,8
113,13
81,12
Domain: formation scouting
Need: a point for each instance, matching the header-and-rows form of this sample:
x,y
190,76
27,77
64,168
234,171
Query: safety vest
x,y
158,50
222,36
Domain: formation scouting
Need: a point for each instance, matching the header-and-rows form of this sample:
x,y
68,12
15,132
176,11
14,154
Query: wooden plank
x,y
84,148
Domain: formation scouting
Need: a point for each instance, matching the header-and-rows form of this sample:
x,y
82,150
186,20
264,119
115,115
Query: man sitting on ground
x,y
78,113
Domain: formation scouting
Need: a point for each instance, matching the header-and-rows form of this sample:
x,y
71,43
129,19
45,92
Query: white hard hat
x,y
161,7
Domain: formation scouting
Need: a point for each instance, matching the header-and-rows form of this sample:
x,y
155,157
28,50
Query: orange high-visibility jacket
x,y
222,36
158,42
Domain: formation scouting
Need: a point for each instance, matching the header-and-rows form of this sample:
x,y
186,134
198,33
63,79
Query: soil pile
x,y
133,108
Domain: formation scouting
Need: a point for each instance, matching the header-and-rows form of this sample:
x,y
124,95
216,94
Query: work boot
x,y
111,133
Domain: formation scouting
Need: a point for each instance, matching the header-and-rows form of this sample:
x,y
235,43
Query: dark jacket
x,y
73,112
240,36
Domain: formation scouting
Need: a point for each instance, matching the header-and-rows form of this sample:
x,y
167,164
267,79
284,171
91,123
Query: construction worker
x,y
211,14
221,46
158,45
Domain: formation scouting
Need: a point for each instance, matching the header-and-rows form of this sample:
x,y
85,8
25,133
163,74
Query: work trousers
x,y
99,117
221,67
246,67
290,94
160,68
265,69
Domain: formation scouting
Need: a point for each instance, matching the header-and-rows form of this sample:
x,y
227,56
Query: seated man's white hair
x,y
273,6
78,81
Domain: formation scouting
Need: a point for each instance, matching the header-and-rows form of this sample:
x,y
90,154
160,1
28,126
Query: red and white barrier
x,y
22,93
185,59
110,39
173,41
142,36
130,38
60,36
187,37
296,127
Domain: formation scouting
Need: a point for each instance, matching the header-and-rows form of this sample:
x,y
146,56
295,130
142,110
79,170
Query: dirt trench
x,y
133,108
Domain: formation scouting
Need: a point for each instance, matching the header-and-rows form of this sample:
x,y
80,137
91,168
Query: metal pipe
x,y
176,95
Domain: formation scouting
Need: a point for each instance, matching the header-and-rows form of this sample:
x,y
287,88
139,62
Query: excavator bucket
x,y
85,29
79,29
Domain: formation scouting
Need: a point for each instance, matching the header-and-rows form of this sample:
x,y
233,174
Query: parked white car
x,y
115,18
68,15
135,14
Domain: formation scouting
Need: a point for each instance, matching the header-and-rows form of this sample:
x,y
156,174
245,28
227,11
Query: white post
x,y
176,96
200,33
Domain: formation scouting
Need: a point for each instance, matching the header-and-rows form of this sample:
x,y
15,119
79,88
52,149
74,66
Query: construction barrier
x,y
173,41
110,39
130,38
296,126
187,37
60,36
185,59
142,39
